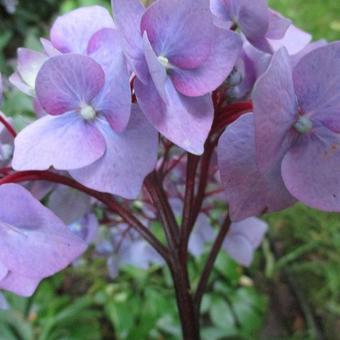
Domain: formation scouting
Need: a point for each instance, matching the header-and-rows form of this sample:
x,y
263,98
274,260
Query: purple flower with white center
x,y
34,243
179,56
253,18
90,112
300,129
244,238
248,191
71,33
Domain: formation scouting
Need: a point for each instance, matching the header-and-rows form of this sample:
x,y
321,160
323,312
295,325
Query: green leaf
x,y
228,268
222,316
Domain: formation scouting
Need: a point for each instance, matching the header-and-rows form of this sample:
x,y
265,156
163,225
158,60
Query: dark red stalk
x,y
192,166
178,268
202,285
8,126
158,196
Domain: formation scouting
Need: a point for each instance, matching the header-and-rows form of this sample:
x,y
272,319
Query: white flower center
x,y
164,61
87,112
303,124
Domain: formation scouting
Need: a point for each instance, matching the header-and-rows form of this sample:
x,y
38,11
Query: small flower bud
x,y
87,112
303,124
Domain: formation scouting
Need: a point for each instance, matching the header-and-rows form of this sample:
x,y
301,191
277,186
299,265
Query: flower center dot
x,y
87,112
164,61
303,124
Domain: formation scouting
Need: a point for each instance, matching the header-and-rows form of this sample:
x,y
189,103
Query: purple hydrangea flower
x,y
179,56
260,25
126,248
244,238
298,125
202,234
89,108
34,243
254,62
71,32
248,191
74,209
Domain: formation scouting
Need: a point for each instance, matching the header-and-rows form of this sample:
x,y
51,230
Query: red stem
x,y
192,166
159,198
202,285
8,126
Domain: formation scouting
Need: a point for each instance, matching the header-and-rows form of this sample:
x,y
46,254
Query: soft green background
x,y
292,291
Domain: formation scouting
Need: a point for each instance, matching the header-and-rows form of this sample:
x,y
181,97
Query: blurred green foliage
x,y
319,17
83,303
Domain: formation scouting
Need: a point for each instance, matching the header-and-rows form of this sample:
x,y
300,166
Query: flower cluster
x,y
119,97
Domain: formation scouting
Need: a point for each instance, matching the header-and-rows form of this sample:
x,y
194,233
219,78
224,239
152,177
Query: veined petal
x,y
225,49
248,191
157,71
317,84
73,31
278,25
295,59
49,49
29,64
129,157
310,169
65,142
34,250
252,16
18,82
20,284
294,40
67,81
275,110
180,30
128,15
184,120
114,100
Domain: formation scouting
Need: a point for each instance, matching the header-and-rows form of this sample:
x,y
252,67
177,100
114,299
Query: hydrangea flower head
x,y
260,25
90,112
179,56
300,128
248,191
